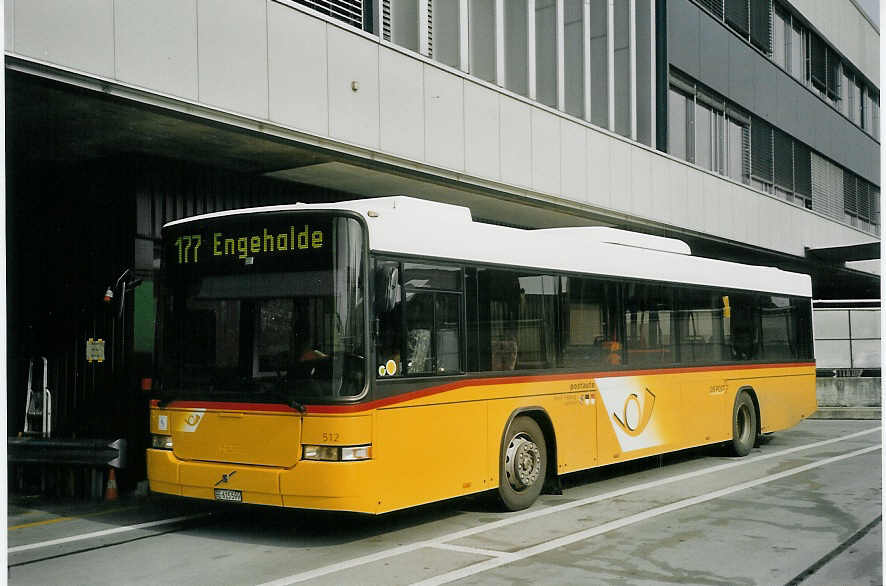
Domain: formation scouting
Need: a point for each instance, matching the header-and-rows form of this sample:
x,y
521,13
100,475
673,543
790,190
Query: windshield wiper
x,y
279,391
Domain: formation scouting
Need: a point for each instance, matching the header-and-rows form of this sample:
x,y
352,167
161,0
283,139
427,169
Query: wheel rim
x,y
744,423
522,462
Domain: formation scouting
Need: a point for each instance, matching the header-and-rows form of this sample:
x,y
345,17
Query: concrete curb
x,y
846,413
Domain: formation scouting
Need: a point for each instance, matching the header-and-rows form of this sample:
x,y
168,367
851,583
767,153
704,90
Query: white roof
x,y
406,225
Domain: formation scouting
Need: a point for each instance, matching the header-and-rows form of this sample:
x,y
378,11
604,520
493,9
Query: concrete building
x,y
747,128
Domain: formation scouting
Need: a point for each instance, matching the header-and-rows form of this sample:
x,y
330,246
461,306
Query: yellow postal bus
x,y
378,354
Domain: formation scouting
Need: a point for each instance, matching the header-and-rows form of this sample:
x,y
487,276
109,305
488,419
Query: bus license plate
x,y
224,494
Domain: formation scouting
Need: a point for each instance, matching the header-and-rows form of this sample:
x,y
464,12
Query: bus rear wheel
x,y
744,424
523,466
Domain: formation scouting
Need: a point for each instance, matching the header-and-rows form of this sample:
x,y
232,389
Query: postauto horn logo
x,y
634,416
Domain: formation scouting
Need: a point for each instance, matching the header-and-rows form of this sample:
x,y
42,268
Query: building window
x,y
481,26
798,51
738,164
761,16
679,124
622,61
781,39
599,63
546,52
445,39
347,11
574,57
737,16
516,47
761,155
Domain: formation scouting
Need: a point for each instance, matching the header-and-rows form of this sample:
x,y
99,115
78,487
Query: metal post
x,y
560,37
610,59
530,49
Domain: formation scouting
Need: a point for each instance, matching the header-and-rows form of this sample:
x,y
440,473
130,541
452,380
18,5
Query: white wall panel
x,y
695,199
79,35
8,24
784,215
714,216
353,115
402,116
444,119
482,155
598,167
573,160
731,204
157,45
678,187
516,137
642,185
662,200
545,152
297,90
620,174
768,219
741,207
232,41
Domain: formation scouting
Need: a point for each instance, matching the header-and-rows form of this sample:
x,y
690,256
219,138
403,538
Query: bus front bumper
x,y
334,486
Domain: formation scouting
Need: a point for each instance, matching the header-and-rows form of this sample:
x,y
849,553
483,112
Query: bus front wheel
x,y
744,424
523,464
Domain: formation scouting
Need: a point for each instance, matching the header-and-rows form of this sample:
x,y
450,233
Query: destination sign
x,y
249,243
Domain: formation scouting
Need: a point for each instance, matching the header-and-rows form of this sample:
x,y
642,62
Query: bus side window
x,y
589,324
433,319
517,320
388,319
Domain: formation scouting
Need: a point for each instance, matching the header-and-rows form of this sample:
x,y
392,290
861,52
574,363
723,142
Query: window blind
x,y
802,169
761,14
761,150
737,14
784,160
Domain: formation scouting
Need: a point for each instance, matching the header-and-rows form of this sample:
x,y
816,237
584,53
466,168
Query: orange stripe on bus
x,y
472,382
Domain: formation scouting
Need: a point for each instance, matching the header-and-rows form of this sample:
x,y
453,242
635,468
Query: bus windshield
x,y
265,307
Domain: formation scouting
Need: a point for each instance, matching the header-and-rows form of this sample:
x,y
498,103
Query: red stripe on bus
x,y
473,382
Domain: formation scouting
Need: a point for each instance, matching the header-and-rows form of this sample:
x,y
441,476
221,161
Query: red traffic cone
x,y
111,489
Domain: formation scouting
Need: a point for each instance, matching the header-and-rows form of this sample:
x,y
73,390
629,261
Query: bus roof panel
x,y
411,226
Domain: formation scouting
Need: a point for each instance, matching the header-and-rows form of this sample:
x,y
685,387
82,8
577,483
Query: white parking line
x,y
104,532
613,525
490,553
543,511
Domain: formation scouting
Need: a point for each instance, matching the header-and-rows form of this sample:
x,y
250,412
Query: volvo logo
x,y
635,414
226,477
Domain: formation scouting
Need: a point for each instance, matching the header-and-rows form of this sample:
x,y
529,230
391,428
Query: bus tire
x,y
523,467
744,424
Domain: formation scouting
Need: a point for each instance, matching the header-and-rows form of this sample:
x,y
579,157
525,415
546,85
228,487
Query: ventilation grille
x,y
348,11
430,28
386,20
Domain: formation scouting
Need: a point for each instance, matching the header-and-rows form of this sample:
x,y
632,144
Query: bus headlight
x,y
336,453
161,442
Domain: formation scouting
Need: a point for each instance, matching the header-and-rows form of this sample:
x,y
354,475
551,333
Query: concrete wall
x,y
708,51
849,392
261,61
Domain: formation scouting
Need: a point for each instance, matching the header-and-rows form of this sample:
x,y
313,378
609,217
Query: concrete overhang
x,y
840,254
